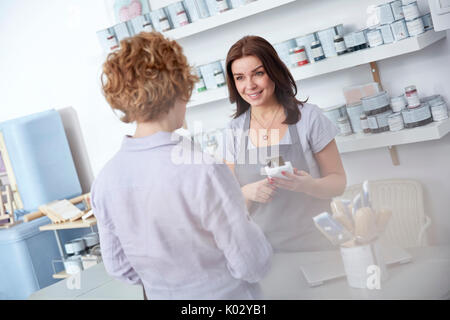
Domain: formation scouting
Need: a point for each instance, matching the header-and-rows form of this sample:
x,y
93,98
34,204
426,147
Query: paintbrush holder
x,y
364,265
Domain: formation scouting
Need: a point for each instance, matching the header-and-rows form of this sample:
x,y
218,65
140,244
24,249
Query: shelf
x,y
361,141
342,62
224,18
61,275
70,225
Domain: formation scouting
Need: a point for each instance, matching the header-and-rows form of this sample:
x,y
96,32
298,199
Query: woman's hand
x,y
300,181
260,191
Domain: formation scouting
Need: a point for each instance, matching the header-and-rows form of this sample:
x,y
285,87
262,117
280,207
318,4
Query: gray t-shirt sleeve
x,y
321,129
229,141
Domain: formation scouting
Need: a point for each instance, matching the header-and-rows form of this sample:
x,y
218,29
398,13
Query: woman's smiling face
x,y
252,81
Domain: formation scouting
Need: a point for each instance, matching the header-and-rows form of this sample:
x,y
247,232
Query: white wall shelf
x,y
224,18
342,62
361,141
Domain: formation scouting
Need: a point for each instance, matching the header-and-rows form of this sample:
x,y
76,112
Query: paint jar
x,y
344,126
335,112
439,111
354,112
415,27
200,85
375,104
349,42
434,100
386,33
111,40
326,38
384,14
374,37
339,45
411,11
317,51
359,260
360,40
418,116
75,246
219,77
196,9
222,6
412,97
395,122
364,123
182,17
298,57
91,239
427,22
399,30
162,19
305,41
398,103
142,23
397,9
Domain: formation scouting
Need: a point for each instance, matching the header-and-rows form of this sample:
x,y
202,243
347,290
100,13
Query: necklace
x,y
266,136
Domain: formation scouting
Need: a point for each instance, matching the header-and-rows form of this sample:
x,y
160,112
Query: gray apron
x,y
287,219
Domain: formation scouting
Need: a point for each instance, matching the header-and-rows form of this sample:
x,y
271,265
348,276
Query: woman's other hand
x,y
260,191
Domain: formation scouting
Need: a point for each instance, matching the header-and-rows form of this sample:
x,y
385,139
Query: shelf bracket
x,y
394,155
375,73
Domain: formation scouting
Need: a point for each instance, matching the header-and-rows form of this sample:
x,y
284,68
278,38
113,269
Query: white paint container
x,y
335,112
399,30
374,38
411,11
305,41
384,14
439,111
412,97
415,27
395,122
397,9
375,104
344,126
417,117
142,23
427,21
386,33
354,113
434,100
283,50
358,264
398,103
379,122
75,246
91,239
73,265
326,38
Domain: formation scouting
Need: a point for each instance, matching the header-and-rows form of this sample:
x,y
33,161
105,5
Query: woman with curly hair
x,y
180,230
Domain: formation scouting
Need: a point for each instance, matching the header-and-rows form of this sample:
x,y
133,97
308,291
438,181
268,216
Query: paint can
x,y
399,30
326,38
73,264
411,11
395,122
178,14
418,116
91,239
397,9
379,122
375,104
197,9
317,51
386,33
305,41
283,48
344,126
398,103
439,112
339,45
75,246
415,27
354,113
427,21
374,37
384,14
298,57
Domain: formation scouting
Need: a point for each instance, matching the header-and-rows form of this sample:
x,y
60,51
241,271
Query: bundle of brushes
x,y
353,222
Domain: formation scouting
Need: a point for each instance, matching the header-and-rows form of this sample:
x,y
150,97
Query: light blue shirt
x,y
181,230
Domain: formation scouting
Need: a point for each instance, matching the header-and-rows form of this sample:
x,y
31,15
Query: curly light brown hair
x,y
145,77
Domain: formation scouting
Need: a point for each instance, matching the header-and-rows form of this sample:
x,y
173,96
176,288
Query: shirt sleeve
x,y
113,255
225,215
321,129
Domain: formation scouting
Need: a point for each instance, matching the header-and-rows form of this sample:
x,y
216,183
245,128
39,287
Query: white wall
x,y
50,58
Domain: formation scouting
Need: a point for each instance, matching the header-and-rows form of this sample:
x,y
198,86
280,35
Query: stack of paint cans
x,y
416,114
377,109
414,21
439,109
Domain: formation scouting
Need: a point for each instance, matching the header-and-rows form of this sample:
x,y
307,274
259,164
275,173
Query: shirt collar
x,y
158,139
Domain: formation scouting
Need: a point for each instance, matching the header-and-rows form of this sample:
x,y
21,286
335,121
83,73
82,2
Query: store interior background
x,y
51,58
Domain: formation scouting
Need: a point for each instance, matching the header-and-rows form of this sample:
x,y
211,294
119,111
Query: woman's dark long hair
x,y
285,87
